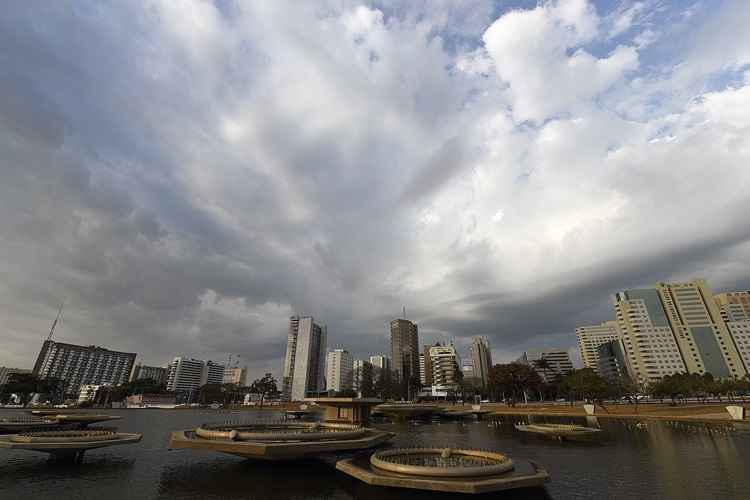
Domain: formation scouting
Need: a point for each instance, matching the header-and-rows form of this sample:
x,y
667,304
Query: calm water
x,y
662,460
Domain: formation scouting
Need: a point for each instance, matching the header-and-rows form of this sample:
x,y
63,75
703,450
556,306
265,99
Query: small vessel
x,y
444,469
560,432
67,444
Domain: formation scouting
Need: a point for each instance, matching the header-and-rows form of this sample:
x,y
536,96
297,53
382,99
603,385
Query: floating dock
x,y
560,432
444,469
67,444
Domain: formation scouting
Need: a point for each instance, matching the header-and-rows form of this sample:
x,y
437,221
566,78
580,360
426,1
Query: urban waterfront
x,y
654,460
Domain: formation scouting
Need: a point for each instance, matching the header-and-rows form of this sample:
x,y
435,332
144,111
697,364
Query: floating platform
x,y
444,469
67,444
50,421
279,441
407,410
456,414
560,432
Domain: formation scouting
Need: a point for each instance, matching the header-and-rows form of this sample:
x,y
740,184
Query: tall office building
x,y
735,310
612,361
557,359
701,334
425,355
405,349
481,360
339,370
184,374
6,372
304,363
363,372
213,373
379,364
83,365
236,375
591,337
734,306
444,364
422,373
156,373
647,337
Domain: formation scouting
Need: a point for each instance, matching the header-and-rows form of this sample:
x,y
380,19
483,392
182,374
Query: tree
x,y
587,384
26,384
512,379
367,385
264,387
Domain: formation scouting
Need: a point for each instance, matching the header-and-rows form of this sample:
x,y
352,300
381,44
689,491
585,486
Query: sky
x,y
185,175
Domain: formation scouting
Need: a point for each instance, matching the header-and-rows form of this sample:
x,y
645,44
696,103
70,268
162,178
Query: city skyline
x,y
500,168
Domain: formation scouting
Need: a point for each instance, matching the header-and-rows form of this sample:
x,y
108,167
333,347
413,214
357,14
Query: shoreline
x,y
710,413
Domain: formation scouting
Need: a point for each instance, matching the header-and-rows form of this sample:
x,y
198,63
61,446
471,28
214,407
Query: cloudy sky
x,y
185,175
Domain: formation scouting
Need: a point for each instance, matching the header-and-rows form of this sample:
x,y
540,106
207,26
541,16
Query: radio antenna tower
x,y
404,312
54,323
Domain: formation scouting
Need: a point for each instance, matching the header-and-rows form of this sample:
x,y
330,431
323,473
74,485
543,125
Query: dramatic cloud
x,y
186,175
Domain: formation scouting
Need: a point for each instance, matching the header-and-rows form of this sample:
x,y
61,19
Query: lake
x,y
659,460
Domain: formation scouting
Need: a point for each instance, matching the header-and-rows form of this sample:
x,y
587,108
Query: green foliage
x,y
26,384
513,379
265,387
585,384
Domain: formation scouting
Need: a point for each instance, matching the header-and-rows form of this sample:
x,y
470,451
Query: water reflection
x,y
643,460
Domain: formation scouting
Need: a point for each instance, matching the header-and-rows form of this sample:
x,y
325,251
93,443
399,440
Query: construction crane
x,y
54,323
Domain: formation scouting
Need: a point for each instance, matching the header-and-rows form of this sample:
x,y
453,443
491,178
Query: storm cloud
x,y
185,175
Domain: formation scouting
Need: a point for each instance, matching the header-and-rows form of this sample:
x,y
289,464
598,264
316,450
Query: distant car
x,y
561,400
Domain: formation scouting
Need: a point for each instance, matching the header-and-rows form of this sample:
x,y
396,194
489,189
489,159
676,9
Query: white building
x,y
557,359
647,337
444,362
740,332
235,375
83,365
87,393
591,337
185,374
304,363
339,370
422,371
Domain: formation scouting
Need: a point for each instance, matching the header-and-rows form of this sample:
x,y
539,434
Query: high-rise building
x,y
425,355
235,375
422,373
380,363
213,373
481,360
5,372
184,374
740,332
469,377
701,334
83,365
363,375
557,360
734,306
611,360
735,311
591,337
445,365
304,363
405,349
646,335
339,370
156,373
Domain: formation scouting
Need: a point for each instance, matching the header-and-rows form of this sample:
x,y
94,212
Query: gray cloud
x,y
186,178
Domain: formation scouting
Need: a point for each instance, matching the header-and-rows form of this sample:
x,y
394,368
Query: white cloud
x,y
539,54
341,161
